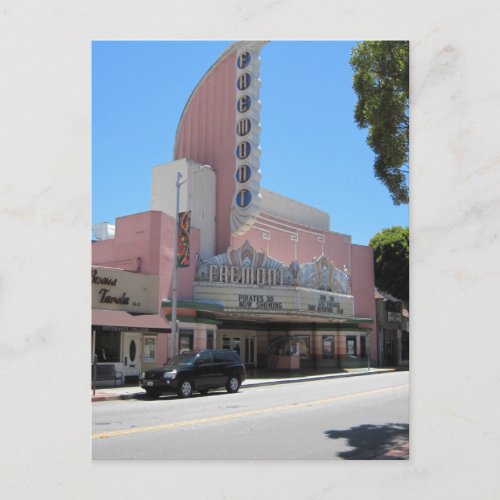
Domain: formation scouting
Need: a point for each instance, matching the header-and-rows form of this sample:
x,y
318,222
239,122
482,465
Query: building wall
x,y
148,236
391,333
206,135
282,207
196,195
286,241
363,286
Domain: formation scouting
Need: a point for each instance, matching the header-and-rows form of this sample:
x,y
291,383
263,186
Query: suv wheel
x,y
185,388
233,384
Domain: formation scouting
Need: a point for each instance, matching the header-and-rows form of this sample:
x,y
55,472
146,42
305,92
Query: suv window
x,y
225,356
205,358
230,356
219,357
186,358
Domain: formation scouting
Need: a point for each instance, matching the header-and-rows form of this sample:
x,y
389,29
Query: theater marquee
x,y
276,300
247,280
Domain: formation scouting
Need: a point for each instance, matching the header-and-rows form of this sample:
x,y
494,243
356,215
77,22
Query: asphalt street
x,y
348,418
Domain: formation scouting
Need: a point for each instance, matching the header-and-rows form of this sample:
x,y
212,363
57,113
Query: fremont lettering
x,y
246,275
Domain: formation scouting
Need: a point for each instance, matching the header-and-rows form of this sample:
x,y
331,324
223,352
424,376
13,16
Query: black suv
x,y
195,371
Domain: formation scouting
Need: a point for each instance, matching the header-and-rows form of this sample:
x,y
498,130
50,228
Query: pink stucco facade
x,y
363,285
144,243
206,134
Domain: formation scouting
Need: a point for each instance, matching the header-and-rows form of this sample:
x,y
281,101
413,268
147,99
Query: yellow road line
x,y
250,413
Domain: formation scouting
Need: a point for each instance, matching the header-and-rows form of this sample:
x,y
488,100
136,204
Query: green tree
x,y
381,82
391,251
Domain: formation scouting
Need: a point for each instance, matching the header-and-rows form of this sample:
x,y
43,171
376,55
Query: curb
x,y
96,399
138,395
115,397
312,378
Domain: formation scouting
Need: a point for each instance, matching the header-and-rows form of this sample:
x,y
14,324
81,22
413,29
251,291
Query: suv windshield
x,y
186,358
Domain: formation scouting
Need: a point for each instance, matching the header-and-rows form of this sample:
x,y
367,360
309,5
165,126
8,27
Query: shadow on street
x,y
370,441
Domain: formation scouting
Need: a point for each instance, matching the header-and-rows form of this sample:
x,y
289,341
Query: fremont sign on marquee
x,y
244,279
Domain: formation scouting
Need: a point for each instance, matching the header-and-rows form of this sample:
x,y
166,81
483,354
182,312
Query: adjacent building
x,y
393,327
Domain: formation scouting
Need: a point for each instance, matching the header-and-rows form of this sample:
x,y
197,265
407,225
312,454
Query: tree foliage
x,y
381,82
391,249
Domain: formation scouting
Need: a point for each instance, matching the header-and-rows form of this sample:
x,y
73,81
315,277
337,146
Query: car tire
x,y
152,393
185,388
233,384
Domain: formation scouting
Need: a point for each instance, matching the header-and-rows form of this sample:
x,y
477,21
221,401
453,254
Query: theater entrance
x,y
244,344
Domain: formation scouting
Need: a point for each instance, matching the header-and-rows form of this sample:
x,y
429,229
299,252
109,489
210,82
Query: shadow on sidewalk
x,y
371,441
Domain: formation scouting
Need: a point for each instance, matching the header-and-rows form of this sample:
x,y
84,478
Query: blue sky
x,y
312,150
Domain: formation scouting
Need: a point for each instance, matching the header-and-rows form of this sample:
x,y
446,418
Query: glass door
x,y
245,346
250,354
132,352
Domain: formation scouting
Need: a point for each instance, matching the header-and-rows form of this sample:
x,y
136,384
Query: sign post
x,y
368,348
94,362
178,184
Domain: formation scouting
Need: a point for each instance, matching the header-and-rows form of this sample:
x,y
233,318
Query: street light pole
x,y
174,322
368,346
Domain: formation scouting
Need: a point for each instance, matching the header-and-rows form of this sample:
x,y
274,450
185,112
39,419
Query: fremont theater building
x,y
258,272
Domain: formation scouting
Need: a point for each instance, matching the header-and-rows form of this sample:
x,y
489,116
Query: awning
x,y
125,321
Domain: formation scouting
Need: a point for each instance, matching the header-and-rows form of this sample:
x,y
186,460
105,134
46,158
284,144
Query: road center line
x,y
250,413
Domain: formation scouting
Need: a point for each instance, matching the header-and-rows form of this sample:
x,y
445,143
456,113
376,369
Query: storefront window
x,y
351,346
107,347
210,339
292,347
328,347
233,343
185,340
149,348
250,351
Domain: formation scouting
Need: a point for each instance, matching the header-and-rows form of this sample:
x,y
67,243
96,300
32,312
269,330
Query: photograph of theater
x,y
258,272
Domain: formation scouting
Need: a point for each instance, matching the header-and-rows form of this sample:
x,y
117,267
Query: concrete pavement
x,y
257,378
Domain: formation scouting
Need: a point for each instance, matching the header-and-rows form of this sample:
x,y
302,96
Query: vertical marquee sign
x,y
247,199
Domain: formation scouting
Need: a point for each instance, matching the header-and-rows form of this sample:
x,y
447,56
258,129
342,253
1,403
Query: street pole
x,y
368,347
176,265
94,361
174,323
